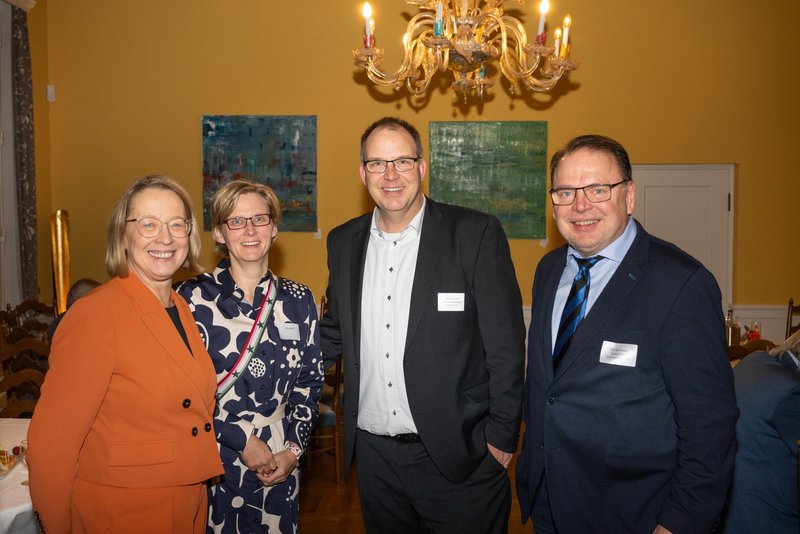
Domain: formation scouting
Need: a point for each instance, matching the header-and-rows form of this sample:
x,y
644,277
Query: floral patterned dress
x,y
285,373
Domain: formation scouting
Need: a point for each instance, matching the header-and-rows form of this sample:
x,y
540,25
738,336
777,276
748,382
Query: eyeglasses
x,y
237,223
565,196
151,227
376,166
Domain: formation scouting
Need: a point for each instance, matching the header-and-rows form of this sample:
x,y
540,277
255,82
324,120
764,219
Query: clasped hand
x,y
270,468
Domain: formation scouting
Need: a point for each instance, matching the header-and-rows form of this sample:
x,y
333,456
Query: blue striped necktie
x,y
575,308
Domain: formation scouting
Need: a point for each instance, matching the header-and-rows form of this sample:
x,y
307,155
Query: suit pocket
x,y
135,453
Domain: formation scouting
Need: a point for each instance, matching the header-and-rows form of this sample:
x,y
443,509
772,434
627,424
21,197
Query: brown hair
x,y
390,123
116,255
224,202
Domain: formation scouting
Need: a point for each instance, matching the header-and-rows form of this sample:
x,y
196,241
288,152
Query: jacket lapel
x,y
358,258
427,266
159,324
543,330
610,301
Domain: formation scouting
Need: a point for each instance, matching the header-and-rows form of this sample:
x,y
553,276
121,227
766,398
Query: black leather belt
x,y
406,438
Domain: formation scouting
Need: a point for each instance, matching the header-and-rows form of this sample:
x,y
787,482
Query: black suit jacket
x,y
463,370
626,448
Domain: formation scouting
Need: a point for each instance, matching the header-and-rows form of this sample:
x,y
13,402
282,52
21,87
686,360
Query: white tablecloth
x,y
16,512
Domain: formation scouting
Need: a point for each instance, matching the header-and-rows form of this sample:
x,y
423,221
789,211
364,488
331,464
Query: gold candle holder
x,y
59,237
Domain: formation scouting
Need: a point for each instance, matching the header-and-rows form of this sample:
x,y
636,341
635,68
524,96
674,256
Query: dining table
x,y
16,511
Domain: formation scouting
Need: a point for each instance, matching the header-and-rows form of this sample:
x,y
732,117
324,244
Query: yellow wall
x,y
688,81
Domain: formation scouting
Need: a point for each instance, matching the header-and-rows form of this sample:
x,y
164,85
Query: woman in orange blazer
x,y
121,439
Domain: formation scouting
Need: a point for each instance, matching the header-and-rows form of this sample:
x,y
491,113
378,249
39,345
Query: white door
x,y
691,206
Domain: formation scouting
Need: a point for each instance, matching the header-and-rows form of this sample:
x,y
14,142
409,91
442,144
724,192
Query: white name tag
x,y
289,331
618,353
451,301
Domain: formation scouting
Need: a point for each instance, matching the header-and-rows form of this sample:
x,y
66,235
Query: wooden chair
x,y
20,409
24,385
328,436
15,356
33,309
792,312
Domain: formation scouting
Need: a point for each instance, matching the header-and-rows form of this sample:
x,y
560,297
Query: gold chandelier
x,y
463,36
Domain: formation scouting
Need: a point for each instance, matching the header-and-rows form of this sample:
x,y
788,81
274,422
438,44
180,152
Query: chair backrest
x,y
793,311
21,377
23,409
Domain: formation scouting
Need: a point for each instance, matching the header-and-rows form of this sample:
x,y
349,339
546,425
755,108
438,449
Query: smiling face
x,y
155,259
251,244
590,227
398,195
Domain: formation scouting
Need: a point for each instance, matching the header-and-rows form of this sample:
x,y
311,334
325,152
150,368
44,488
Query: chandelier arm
x,y
378,76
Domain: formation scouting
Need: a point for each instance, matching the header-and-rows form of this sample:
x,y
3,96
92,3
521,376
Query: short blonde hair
x,y
117,256
224,202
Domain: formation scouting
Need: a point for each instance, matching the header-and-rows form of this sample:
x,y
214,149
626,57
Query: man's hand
x,y
503,458
661,530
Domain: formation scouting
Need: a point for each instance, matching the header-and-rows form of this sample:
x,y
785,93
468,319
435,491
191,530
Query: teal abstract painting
x,y
495,167
277,150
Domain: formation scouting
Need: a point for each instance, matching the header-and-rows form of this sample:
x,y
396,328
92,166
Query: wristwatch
x,y
294,449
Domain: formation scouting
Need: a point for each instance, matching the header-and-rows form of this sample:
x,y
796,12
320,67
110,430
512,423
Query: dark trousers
x,y
542,515
402,491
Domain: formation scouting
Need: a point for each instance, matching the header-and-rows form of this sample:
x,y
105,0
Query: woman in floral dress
x,y
261,332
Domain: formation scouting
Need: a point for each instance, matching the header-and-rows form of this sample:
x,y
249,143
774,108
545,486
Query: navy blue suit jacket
x,y
625,448
463,370
764,491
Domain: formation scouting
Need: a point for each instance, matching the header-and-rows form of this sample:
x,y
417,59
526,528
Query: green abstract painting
x,y
495,167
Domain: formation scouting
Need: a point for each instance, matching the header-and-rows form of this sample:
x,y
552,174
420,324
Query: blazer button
x,y
207,427
551,400
187,403
194,430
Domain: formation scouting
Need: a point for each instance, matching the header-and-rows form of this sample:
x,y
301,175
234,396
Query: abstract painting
x,y
495,167
276,150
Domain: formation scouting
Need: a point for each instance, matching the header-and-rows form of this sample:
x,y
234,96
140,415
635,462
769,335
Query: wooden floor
x,y
330,508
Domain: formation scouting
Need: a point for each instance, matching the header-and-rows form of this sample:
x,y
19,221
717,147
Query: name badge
x,y
451,301
618,354
289,331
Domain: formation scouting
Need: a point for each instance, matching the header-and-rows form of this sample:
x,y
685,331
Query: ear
x,y
363,174
218,237
423,169
630,196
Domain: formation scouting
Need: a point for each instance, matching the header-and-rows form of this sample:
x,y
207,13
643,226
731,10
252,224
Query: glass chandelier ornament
x,y
463,36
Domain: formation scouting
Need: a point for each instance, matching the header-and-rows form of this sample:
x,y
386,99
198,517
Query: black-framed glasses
x,y
178,227
400,164
565,196
237,223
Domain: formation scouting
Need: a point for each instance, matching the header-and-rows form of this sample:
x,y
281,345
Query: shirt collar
x,y
617,249
414,227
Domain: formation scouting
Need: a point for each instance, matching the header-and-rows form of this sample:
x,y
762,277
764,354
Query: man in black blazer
x,y
425,306
630,428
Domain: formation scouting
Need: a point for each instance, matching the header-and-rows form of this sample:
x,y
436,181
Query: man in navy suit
x,y
630,421
425,306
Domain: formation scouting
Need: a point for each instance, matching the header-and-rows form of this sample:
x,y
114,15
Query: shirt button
x,y
394,412
391,269
387,354
207,427
390,384
387,326
389,297
187,403
194,430
551,400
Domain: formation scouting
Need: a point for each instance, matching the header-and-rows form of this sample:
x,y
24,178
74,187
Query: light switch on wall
x,y
51,93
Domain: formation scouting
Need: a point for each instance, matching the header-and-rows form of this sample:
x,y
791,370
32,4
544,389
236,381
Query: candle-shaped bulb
x,y
557,40
544,6
367,11
369,25
565,42
438,26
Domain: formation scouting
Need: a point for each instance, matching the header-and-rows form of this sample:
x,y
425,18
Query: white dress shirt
x,y
385,304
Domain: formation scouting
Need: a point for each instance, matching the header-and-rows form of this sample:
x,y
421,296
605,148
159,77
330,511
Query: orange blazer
x,y
124,403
